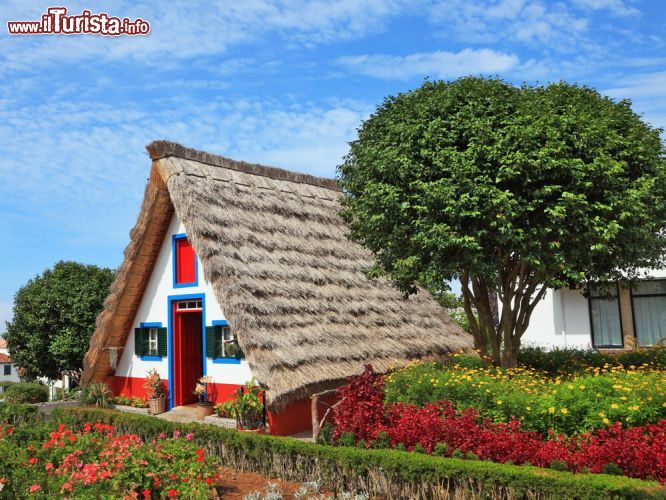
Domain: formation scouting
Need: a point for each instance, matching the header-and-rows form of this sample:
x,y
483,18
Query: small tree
x,y
54,317
510,190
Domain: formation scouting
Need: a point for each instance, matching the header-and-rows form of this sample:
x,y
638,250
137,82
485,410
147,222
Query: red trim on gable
x,y
4,358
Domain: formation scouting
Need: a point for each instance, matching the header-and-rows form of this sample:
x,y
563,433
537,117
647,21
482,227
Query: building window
x,y
185,262
150,341
221,343
649,308
8,369
605,316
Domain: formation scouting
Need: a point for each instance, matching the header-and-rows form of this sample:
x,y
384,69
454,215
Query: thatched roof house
x,y
289,282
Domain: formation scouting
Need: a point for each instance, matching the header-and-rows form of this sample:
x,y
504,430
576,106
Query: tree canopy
x,y
511,190
54,317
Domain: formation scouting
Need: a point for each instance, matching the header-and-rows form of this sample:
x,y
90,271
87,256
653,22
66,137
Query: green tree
x,y
510,190
54,317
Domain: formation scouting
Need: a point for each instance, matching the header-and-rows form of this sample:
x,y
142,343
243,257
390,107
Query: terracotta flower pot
x,y
157,406
204,409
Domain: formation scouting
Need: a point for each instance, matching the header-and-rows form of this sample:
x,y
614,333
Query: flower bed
x,y
387,473
542,403
95,461
363,418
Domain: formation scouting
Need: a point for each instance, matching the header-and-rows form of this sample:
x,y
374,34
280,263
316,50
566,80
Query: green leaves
x,y
466,176
54,316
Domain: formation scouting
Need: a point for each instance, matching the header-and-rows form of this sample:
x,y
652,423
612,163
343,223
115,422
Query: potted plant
x,y
248,408
204,407
154,386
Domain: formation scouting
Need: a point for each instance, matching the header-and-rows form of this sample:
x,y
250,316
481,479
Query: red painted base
x,y
294,419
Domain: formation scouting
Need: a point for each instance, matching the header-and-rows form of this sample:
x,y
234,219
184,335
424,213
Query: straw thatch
x,y
290,283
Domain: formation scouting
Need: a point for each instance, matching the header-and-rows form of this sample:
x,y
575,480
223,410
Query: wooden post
x,y
314,409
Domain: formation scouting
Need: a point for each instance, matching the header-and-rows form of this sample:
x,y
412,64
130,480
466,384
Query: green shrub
x,y
326,434
382,442
18,414
390,473
572,360
542,403
26,392
96,394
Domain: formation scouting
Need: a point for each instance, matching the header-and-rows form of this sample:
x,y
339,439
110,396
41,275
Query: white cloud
x,y
616,7
525,21
648,93
83,164
439,64
186,29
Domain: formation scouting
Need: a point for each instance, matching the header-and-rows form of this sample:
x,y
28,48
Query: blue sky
x,y
283,83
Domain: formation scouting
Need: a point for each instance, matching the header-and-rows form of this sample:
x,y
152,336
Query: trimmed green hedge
x,y
26,392
390,473
572,360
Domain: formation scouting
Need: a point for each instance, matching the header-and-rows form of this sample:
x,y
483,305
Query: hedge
x,y
390,473
26,392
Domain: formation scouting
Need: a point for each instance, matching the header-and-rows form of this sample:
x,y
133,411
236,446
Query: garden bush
x,y
540,402
26,392
637,451
572,360
390,473
95,461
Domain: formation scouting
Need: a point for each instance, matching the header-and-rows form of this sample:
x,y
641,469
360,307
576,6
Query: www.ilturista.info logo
x,y
57,22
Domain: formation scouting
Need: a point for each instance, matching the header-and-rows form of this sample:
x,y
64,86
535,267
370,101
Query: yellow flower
x,y
615,405
499,401
564,411
602,414
529,408
623,398
581,387
606,421
551,409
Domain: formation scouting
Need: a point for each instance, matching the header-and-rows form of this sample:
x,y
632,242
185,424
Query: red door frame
x,y
180,384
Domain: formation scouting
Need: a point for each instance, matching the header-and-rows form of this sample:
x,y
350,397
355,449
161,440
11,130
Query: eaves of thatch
x,y
289,281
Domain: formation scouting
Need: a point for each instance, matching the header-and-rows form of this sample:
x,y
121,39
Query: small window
x,y
185,262
8,369
190,304
227,341
152,342
222,343
605,316
649,305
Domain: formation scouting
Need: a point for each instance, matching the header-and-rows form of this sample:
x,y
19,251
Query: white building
x,y
8,371
634,317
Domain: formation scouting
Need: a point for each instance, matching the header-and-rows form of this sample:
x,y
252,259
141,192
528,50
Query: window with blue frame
x,y
221,343
185,272
150,341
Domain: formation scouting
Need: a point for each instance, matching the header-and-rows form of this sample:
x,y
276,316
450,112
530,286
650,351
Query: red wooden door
x,y
188,355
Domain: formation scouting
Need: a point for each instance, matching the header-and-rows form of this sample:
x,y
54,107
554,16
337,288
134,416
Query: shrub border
x,y
391,473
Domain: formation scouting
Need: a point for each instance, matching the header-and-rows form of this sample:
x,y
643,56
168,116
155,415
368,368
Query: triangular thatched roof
x,y
288,280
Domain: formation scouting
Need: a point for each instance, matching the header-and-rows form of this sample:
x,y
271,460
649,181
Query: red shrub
x,y
361,406
638,451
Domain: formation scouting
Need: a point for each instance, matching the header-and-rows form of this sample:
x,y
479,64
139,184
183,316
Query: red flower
x,y
172,493
200,454
35,487
32,461
146,494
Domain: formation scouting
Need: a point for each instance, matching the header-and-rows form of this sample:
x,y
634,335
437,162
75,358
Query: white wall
x,y
12,377
562,319
154,308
